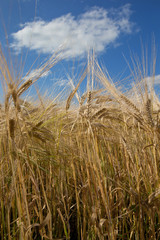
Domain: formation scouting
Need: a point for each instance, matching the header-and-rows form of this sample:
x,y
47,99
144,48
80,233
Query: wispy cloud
x,y
151,81
97,28
36,73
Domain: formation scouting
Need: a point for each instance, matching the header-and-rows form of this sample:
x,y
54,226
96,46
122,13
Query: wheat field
x,y
85,170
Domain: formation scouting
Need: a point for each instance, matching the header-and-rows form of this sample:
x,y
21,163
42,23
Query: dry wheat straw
x,y
93,176
68,102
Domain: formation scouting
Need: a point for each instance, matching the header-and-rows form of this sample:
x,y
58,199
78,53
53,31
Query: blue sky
x,y
114,28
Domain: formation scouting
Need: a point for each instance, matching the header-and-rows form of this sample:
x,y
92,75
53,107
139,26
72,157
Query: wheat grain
x,y
12,128
149,112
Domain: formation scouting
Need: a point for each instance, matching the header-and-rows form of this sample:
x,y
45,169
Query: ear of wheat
x,y
149,112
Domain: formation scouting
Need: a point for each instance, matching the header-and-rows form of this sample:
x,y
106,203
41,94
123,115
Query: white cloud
x,y
96,29
151,81
155,79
